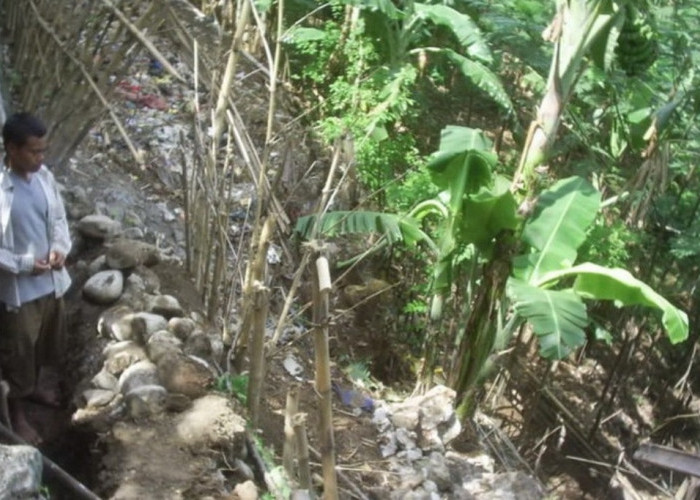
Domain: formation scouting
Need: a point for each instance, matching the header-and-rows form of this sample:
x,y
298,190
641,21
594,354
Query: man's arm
x,y
17,264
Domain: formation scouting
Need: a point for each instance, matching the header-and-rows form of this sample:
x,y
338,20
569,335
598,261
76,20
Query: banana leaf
x,y
486,214
557,228
461,25
463,164
396,228
482,77
602,283
557,317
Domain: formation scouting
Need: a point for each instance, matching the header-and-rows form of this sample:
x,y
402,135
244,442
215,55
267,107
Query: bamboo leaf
x,y
602,283
557,317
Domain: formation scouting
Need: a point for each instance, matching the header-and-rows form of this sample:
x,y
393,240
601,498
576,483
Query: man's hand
x,y
56,260
41,266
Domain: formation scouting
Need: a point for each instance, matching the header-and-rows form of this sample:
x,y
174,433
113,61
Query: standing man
x,y
34,242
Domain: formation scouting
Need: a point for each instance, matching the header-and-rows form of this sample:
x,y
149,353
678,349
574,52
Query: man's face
x,y
27,159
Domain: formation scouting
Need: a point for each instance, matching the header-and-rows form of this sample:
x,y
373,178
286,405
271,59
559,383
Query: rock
x,y
97,265
505,486
110,317
138,326
99,418
245,491
406,415
20,474
135,285
104,287
154,323
198,344
165,305
185,375
133,233
129,327
151,281
77,201
146,400
105,380
182,327
99,226
139,374
128,254
161,343
211,423
121,355
98,397
405,438
439,422
387,444
217,346
465,466
438,472
431,416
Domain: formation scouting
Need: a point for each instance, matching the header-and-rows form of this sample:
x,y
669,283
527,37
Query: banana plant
x,y
478,204
548,288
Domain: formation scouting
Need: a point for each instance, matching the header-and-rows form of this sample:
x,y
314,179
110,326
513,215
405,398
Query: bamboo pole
x,y
321,290
302,446
289,448
257,351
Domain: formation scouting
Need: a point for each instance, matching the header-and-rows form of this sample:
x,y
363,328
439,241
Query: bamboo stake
x,y
290,444
322,287
302,445
257,351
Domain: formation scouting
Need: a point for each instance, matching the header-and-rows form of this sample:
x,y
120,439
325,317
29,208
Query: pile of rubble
x,y
415,436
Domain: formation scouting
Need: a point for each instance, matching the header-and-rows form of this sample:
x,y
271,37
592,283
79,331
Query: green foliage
x,y
237,385
610,243
416,185
359,373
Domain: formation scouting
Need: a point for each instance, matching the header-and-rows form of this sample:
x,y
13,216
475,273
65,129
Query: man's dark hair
x,y
20,127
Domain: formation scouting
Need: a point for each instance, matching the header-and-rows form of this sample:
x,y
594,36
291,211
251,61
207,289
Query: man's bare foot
x,y
46,397
20,424
24,430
